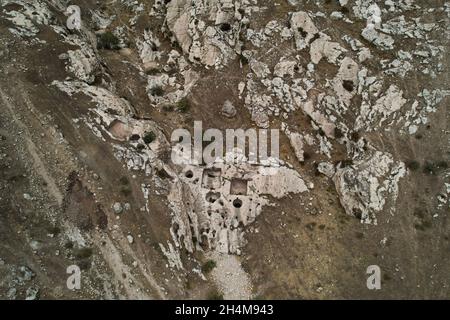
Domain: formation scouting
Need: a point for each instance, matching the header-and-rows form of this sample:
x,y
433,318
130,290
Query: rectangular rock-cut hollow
x,y
238,186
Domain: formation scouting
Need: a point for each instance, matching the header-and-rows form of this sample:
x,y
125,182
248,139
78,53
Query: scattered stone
x,y
228,110
130,239
117,208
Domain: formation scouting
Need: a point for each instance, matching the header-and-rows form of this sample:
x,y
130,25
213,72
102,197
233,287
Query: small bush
x,y
422,226
225,27
68,244
149,137
442,164
107,40
157,91
338,133
134,137
345,10
53,230
355,136
311,226
152,71
302,32
84,264
306,156
346,162
348,85
168,108
208,266
183,105
429,168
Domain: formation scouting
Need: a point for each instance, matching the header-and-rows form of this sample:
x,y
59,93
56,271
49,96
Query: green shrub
x,y
168,108
338,133
442,164
431,167
243,59
82,253
215,295
124,181
149,137
348,85
183,105
107,40
157,91
412,165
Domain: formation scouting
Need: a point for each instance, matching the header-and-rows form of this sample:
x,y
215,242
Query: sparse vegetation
x,y
306,156
429,168
214,295
442,164
359,235
225,27
157,91
355,136
208,266
243,59
311,226
412,165
168,107
345,10
125,190
348,85
183,105
338,133
422,226
152,71
433,168
149,137
82,253
108,41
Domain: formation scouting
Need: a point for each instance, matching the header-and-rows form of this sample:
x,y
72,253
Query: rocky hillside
x,y
358,90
